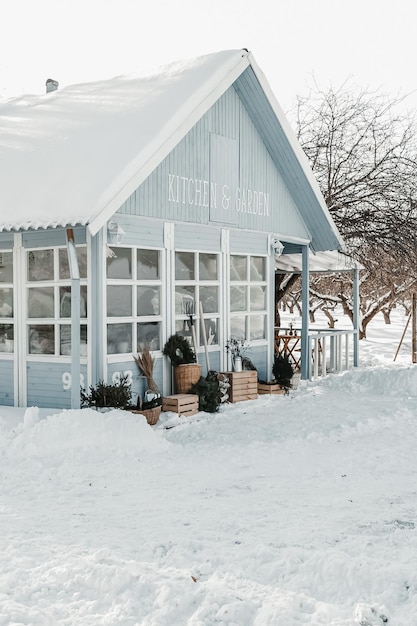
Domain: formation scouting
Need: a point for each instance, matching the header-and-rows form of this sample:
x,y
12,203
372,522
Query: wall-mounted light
x,y
277,246
115,232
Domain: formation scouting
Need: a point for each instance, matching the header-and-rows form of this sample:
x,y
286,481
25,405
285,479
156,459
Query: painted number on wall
x,y
67,381
117,375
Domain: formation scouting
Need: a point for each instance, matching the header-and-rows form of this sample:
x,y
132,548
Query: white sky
x,y
372,42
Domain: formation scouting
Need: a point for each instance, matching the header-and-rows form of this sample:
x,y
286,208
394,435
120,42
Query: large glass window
x,y
6,302
48,299
248,293
197,281
134,281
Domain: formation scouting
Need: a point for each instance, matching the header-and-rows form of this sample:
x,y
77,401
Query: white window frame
x,y
134,318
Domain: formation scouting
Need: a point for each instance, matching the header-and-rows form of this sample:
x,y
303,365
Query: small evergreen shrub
x,y
282,370
209,393
117,395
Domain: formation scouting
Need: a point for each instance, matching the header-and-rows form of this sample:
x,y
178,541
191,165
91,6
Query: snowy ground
x,y
282,511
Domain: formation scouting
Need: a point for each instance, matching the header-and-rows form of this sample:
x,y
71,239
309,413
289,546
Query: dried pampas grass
x,y
145,363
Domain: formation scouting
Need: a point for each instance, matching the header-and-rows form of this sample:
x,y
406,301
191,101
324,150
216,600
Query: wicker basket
x,y
152,415
186,376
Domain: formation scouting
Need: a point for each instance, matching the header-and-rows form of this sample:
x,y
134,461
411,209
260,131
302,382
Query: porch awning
x,y
331,261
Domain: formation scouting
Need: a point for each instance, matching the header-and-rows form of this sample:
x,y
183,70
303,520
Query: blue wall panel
x,y
139,383
248,242
141,232
205,238
45,386
6,382
51,237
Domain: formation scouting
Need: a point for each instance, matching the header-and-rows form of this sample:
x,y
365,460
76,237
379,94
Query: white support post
x,y
323,356
346,351
305,284
356,317
316,357
339,353
75,320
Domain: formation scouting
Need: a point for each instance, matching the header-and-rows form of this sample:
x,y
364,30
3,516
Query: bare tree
x,y
363,151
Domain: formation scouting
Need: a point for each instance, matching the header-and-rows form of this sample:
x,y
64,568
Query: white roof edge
x,y
295,145
328,261
290,239
179,125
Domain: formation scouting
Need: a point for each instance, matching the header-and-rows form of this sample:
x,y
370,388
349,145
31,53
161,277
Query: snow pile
x,y
84,431
282,511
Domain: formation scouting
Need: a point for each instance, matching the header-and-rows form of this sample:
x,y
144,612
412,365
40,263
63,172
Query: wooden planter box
x,y
182,403
243,385
270,389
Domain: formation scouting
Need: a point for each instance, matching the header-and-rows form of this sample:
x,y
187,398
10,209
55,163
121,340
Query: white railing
x,y
330,350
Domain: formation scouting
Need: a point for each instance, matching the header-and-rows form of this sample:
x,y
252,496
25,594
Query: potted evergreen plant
x,y
108,396
282,371
187,371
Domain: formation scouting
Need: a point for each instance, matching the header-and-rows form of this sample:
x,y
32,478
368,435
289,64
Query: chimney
x,y
51,85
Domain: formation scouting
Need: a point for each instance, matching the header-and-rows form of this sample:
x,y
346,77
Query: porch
x,y
328,351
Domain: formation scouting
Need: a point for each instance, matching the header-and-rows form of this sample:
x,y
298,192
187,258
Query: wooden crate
x,y
182,403
243,385
263,388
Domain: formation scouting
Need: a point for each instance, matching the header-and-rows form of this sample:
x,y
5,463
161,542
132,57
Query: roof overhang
x,y
330,261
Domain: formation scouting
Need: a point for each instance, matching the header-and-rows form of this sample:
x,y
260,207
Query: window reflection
x,y
6,267
257,268
119,300
40,265
184,299
65,301
209,299
65,340
208,266
6,302
6,338
120,265
238,298
147,264
41,302
148,301
238,265
212,331
257,327
238,327
184,266
41,339
149,335
258,298
119,338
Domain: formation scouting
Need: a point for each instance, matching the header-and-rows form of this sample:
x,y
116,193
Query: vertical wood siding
x,y
51,237
6,382
45,387
170,192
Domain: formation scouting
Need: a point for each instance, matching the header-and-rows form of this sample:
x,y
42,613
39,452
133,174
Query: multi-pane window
x,y
197,281
248,307
134,282
6,302
48,298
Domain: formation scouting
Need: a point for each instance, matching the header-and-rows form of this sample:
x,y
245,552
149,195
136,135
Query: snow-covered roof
x,y
73,156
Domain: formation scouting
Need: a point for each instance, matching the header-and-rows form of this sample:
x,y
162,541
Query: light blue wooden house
x,y
138,196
